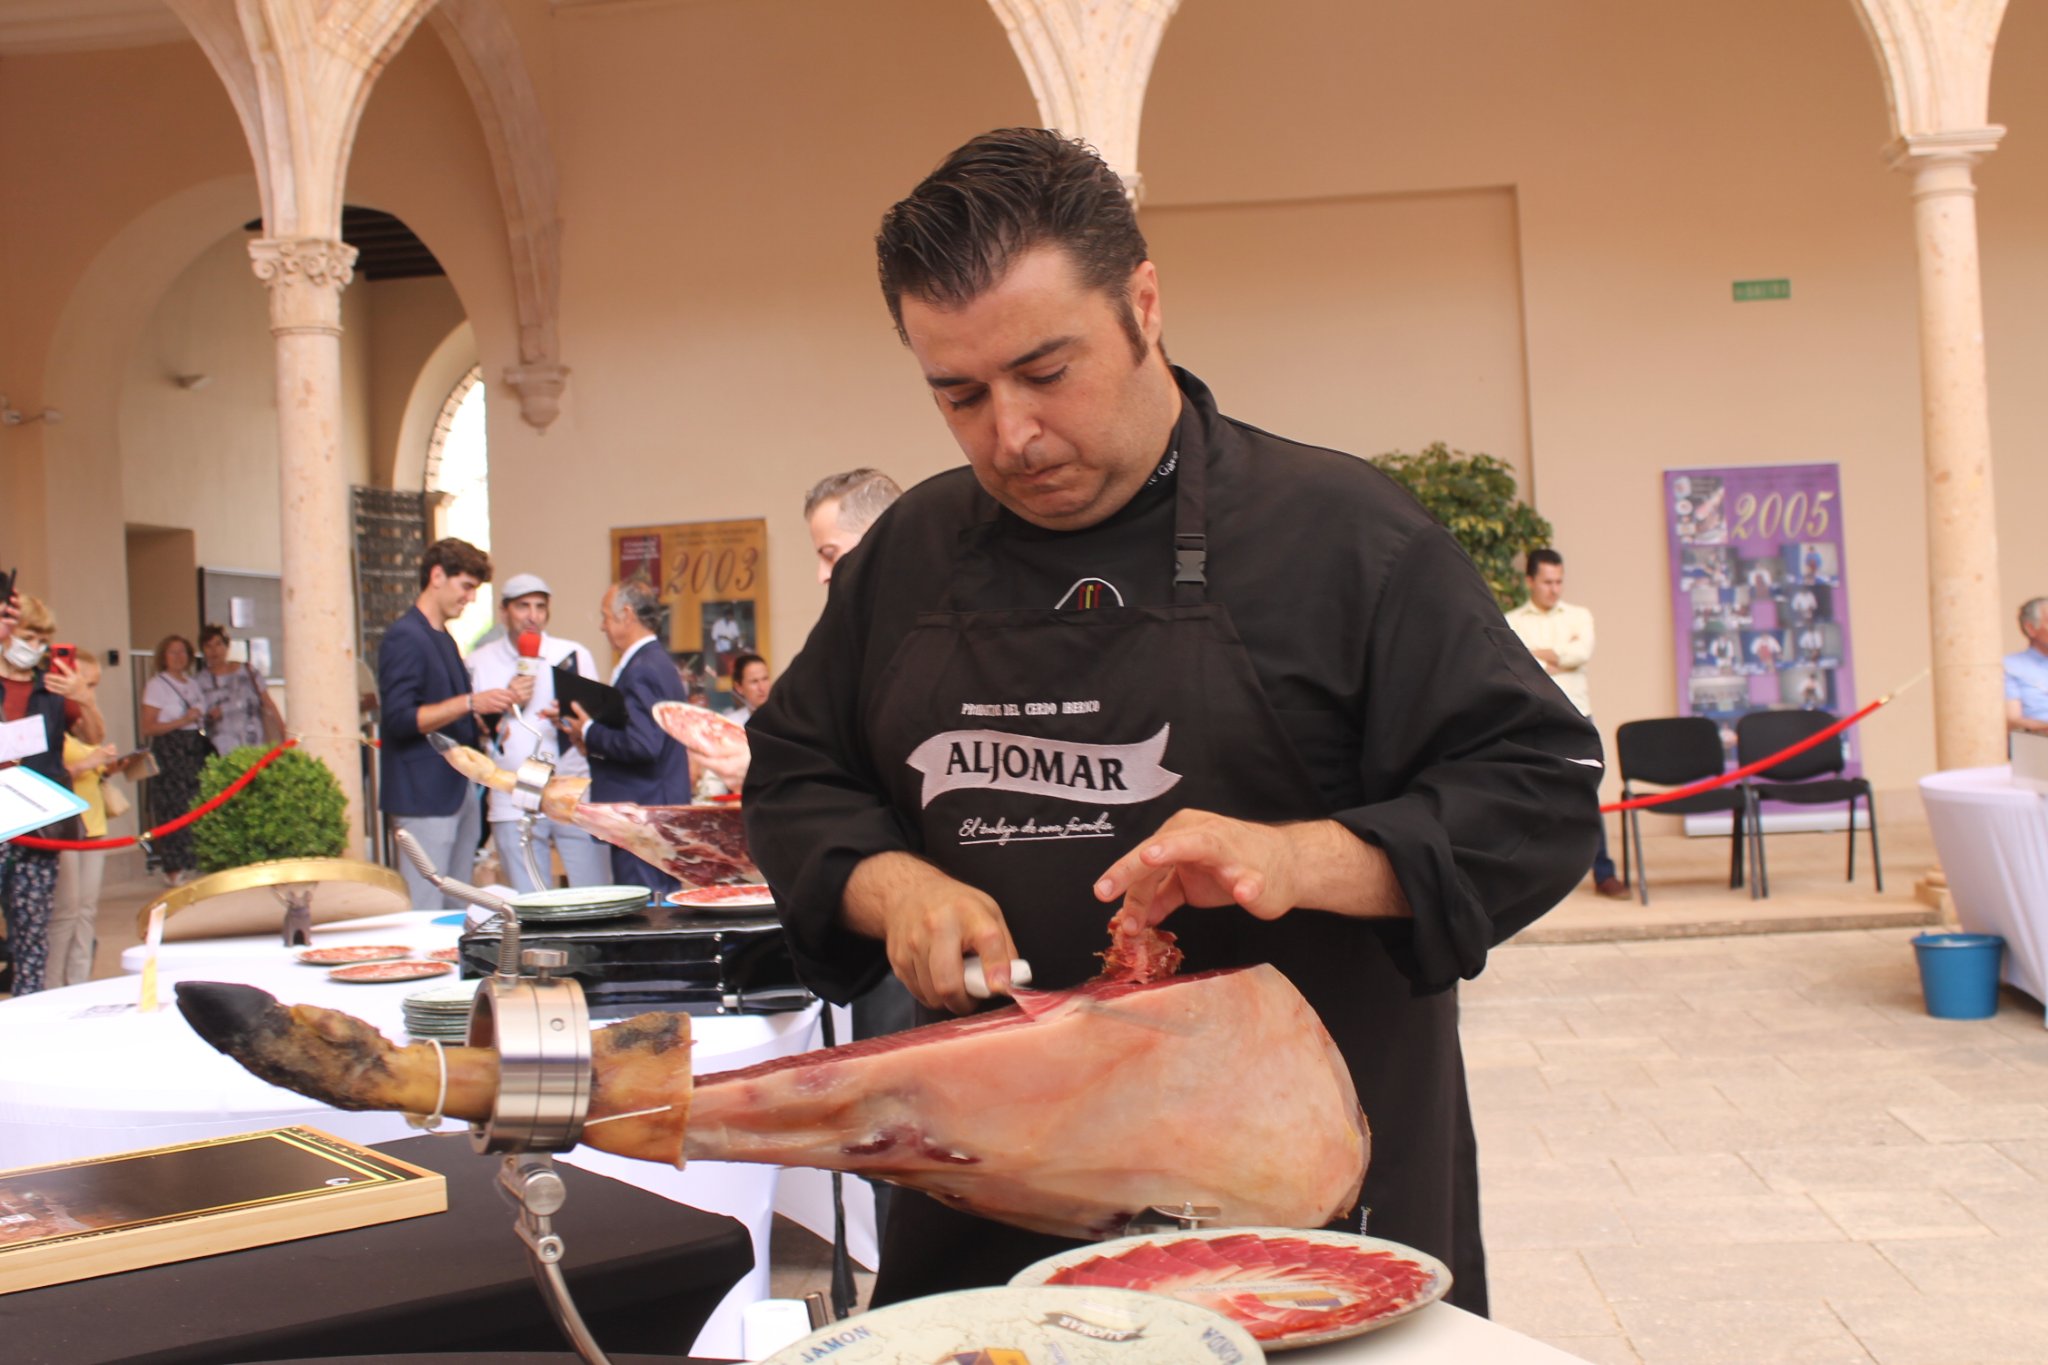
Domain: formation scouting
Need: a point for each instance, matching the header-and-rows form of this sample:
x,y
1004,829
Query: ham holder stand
x,y
540,1027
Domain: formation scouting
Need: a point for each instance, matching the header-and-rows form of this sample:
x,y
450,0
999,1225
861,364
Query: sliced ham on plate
x,y
366,973
359,952
1287,1287
724,898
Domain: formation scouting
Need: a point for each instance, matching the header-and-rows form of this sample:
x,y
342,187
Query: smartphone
x,y
7,585
66,655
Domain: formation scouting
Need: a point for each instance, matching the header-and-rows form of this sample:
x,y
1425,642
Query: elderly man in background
x,y
2026,673
840,508
499,664
1560,636
638,761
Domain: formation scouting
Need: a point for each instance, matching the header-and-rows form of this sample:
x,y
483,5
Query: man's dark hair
x,y
210,632
996,198
453,557
739,665
1538,558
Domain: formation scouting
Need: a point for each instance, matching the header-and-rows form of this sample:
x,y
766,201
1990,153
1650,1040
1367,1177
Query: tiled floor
x,y
1705,1139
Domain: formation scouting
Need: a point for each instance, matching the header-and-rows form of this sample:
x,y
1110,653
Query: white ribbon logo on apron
x,y
994,760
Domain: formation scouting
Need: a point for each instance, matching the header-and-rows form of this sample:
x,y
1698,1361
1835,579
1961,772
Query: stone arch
x,y
101,323
1936,61
486,54
437,378
1088,62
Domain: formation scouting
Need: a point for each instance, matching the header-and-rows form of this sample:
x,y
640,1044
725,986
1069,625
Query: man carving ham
x,y
1351,769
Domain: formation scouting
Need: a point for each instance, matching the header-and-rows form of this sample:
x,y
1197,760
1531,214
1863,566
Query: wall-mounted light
x,y
189,382
11,416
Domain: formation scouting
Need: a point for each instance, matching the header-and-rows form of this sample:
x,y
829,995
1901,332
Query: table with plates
x,y
83,1072
1992,837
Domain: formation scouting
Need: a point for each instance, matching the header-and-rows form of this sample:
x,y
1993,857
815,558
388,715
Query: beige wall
x,y
1567,189
1410,305
409,321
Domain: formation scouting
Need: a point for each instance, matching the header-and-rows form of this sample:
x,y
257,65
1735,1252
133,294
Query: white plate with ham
x,y
358,952
1038,1326
1288,1287
741,897
372,973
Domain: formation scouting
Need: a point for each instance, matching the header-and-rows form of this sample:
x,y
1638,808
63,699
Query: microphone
x,y
528,645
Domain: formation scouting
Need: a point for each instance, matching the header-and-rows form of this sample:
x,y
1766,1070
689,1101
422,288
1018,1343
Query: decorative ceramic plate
x,y
367,973
360,952
1288,1287
742,897
1036,1326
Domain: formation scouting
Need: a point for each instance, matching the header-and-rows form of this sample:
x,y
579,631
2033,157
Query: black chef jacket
x,y
1429,730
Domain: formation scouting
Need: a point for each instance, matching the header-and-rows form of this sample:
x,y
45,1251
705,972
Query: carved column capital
x,y
539,387
305,276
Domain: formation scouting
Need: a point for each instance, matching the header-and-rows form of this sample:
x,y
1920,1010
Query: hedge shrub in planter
x,y
1474,497
294,809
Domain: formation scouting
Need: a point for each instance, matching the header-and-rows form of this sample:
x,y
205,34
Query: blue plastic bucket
x,y
1959,974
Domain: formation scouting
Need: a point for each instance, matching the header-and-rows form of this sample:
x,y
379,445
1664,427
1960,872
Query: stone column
x,y
305,276
1962,531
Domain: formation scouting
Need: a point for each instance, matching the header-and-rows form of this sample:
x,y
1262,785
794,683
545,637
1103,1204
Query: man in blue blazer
x,y
639,762
422,687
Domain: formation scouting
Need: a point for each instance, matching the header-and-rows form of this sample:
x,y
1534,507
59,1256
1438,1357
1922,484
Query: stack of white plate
x,y
441,1011
568,903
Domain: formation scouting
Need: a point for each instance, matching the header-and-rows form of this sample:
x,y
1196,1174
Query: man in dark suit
x,y
638,762
423,687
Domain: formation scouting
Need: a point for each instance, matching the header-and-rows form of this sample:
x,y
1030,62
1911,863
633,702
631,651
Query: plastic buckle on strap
x,y
1190,559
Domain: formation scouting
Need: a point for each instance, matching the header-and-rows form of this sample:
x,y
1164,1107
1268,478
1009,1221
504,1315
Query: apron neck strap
x,y
973,570
1190,521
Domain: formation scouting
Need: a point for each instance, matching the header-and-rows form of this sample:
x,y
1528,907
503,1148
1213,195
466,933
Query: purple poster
x,y
1759,592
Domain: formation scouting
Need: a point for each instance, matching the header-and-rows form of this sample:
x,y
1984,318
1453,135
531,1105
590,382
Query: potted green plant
x,y
293,809
1474,497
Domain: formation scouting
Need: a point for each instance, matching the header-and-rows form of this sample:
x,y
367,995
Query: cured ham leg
x,y
717,743
697,845
1217,1089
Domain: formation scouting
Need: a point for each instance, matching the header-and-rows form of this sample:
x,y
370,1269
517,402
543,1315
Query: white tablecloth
x,y
1992,837
83,1072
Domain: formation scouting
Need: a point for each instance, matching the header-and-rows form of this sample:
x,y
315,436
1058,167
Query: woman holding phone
x,y
62,699
239,710
174,723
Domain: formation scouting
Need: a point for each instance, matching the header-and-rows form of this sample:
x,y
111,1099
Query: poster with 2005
x,y
1759,592
712,580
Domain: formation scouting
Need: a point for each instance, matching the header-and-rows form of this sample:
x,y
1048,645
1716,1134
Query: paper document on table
x,y
21,739
29,801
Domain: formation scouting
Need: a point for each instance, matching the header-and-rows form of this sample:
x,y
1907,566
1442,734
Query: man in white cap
x,y
501,663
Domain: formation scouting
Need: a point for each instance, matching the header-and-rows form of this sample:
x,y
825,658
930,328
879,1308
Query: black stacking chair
x,y
1671,753
1813,778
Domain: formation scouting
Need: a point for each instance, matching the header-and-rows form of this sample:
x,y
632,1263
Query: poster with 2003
x,y
712,580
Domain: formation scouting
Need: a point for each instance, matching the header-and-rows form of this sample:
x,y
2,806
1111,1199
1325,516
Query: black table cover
x,y
645,1272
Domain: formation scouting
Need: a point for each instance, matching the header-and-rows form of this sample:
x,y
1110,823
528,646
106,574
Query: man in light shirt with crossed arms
x,y
1560,636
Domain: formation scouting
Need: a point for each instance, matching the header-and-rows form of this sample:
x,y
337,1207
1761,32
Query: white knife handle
x,y
977,979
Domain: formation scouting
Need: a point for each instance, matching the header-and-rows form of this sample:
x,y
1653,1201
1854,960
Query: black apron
x,y
1034,748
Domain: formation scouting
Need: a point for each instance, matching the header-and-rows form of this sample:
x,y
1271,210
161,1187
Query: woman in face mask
x,y
174,723
61,698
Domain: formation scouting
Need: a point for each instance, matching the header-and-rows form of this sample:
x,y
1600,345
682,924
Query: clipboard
x,y
29,802
605,704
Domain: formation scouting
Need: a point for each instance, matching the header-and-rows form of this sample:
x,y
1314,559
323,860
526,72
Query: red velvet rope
x,y
169,826
1707,784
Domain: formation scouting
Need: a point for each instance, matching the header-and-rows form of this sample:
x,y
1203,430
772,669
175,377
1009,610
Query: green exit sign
x,y
1752,291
